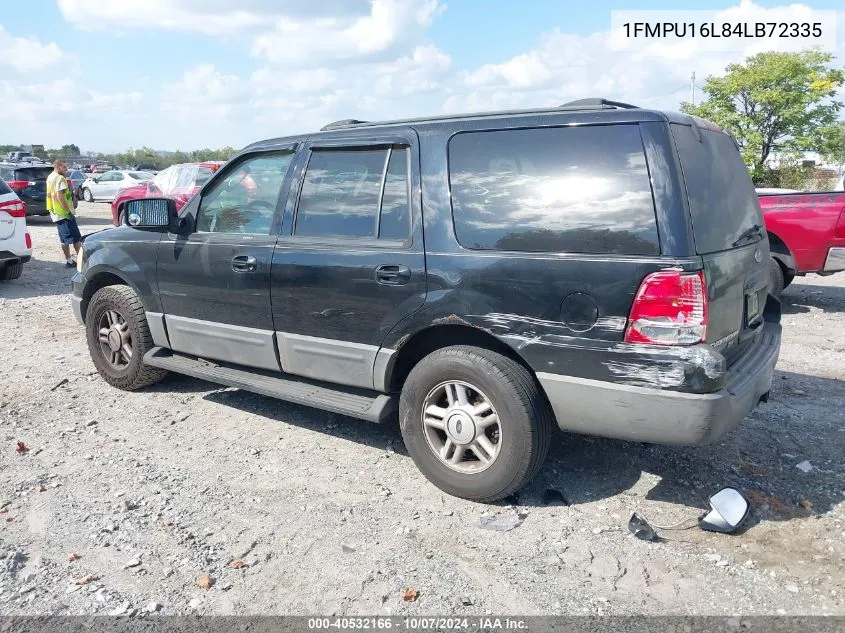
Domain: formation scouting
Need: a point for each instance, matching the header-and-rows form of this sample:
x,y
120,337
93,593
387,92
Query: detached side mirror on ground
x,y
153,214
729,511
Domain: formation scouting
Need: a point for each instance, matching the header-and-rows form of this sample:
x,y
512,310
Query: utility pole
x,y
692,86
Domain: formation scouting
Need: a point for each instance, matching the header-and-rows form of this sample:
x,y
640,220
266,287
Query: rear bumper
x,y
835,261
659,416
8,257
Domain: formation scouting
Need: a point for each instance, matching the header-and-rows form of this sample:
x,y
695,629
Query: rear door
x,y
350,263
729,235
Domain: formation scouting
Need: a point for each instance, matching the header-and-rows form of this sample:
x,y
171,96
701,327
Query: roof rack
x,y
596,102
341,123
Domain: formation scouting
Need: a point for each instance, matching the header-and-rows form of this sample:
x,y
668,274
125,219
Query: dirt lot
x,y
152,490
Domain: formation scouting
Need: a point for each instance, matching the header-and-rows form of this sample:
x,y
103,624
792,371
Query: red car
x,y
179,182
806,234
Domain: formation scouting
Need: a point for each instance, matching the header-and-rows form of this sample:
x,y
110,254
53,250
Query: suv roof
x,y
594,109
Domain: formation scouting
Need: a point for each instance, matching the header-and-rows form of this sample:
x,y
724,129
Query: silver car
x,y
106,186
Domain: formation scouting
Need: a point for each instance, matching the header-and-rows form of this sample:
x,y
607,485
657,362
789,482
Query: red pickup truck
x,y
806,234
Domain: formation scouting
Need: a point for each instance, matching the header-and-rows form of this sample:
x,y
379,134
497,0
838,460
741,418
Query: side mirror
x,y
729,511
153,214
95,179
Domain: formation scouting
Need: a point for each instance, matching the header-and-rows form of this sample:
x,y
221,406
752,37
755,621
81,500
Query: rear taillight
x,y
28,240
15,208
840,226
17,185
670,309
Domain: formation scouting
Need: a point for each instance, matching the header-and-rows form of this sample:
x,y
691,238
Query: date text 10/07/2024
x,y
418,623
787,30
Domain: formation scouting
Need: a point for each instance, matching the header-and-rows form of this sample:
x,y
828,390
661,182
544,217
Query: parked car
x,y
107,185
15,241
179,182
145,167
597,266
76,178
29,182
806,235
20,156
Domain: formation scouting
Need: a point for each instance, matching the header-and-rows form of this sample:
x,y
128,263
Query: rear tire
x,y
11,271
115,319
776,278
514,446
86,195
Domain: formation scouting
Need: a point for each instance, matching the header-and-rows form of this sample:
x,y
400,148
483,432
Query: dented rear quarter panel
x,y
518,297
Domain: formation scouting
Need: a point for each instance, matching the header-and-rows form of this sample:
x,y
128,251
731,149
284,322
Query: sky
x,y
109,75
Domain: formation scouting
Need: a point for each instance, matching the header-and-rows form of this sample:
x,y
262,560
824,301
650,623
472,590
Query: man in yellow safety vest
x,y
60,205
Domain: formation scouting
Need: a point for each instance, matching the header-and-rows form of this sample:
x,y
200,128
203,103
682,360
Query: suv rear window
x,y
574,189
723,202
33,173
4,188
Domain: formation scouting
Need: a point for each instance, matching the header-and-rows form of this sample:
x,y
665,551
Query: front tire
x,y
86,195
11,271
118,337
475,422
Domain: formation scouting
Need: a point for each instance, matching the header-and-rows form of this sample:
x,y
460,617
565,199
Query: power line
x,y
692,84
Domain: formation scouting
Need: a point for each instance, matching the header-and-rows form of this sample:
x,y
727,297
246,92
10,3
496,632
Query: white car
x,y
15,241
105,186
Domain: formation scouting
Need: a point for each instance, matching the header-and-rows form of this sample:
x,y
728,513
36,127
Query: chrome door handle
x,y
393,275
244,264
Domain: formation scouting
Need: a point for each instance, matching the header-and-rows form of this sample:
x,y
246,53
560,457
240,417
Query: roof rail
x,y
342,123
596,102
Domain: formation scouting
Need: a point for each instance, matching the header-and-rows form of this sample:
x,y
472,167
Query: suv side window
x,y
245,200
574,189
351,193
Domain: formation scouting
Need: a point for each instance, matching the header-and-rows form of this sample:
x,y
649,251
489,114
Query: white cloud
x,y
318,62
25,56
565,66
285,30
388,25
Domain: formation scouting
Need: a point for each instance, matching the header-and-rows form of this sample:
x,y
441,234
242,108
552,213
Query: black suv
x,y
29,181
596,267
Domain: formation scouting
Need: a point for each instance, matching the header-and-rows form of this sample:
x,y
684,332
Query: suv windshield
x,y
723,202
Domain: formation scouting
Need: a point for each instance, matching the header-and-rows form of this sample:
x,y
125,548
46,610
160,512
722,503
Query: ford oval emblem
x,y
758,257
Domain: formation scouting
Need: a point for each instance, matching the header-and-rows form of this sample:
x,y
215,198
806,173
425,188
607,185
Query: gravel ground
x,y
124,503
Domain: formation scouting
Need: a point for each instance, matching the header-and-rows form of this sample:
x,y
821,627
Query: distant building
x,y
809,160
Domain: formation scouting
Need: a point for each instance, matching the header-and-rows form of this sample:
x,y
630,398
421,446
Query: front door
x,y
103,186
350,263
215,283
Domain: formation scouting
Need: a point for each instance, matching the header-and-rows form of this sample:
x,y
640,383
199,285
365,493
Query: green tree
x,y
776,102
70,151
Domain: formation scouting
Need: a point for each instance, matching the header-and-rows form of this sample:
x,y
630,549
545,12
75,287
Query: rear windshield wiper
x,y
751,232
